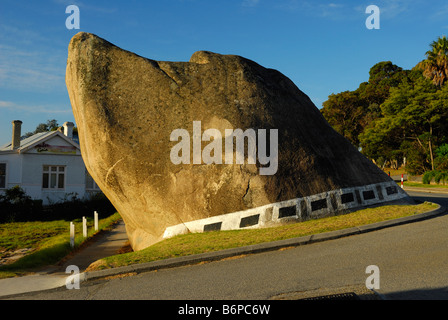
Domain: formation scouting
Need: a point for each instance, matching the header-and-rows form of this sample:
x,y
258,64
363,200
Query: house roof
x,y
35,139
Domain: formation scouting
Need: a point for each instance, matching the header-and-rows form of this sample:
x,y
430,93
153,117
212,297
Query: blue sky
x,y
324,47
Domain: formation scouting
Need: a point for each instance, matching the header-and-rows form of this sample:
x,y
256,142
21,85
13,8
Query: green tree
x,y
344,112
350,112
435,67
50,125
413,122
398,113
442,157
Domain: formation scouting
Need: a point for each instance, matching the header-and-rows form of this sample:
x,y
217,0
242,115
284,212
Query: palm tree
x,y
435,67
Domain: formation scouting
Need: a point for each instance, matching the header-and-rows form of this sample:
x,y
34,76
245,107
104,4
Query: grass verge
x,y
195,243
422,185
46,242
394,172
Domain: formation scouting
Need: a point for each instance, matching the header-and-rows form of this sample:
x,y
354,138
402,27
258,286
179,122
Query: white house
x,y
46,165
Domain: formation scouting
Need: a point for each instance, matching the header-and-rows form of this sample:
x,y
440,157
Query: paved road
x,y
412,260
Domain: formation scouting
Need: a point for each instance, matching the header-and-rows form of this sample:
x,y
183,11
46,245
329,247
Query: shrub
x,y
441,160
17,206
428,176
441,176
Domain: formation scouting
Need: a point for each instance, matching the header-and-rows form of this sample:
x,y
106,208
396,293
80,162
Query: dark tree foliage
x,y
398,116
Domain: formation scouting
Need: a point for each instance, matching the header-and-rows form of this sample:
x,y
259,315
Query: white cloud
x,y
250,3
389,9
329,10
392,8
88,7
440,13
345,11
27,63
34,109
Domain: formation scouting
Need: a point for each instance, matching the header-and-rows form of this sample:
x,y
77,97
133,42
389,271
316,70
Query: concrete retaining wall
x,y
299,209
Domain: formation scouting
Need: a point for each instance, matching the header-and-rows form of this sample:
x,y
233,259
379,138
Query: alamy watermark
x,y
73,20
212,153
373,21
373,280
73,280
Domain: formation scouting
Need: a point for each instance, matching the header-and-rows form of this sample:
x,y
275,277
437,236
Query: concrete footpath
x,y
102,245
110,242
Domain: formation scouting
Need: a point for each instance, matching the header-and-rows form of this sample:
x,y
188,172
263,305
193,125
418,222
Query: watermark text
x,y
73,20
373,21
72,281
373,280
212,153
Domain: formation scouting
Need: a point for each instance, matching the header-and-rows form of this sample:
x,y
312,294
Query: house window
x,y
53,177
90,183
2,175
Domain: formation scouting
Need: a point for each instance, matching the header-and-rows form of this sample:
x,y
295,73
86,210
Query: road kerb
x,y
257,248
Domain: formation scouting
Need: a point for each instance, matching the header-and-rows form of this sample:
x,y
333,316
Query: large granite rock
x,y
127,106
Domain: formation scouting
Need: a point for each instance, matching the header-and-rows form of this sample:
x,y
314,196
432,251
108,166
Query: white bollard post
x,y
95,215
72,234
402,185
84,227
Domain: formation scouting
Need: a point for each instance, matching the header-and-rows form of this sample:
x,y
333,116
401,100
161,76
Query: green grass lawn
x,y
48,242
422,185
195,243
395,172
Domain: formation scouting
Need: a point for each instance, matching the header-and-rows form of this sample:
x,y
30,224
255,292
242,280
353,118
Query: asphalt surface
x,y
433,196
412,260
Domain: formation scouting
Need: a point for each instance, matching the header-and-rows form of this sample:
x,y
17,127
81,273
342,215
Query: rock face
x,y
127,106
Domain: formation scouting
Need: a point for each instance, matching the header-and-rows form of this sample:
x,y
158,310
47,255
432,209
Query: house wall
x,y
32,173
25,167
26,170
13,169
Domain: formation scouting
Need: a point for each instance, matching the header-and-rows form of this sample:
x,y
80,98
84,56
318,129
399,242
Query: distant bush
x,y
428,176
17,206
437,175
441,176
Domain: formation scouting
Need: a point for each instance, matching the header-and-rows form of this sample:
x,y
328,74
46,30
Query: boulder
x,y
127,107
